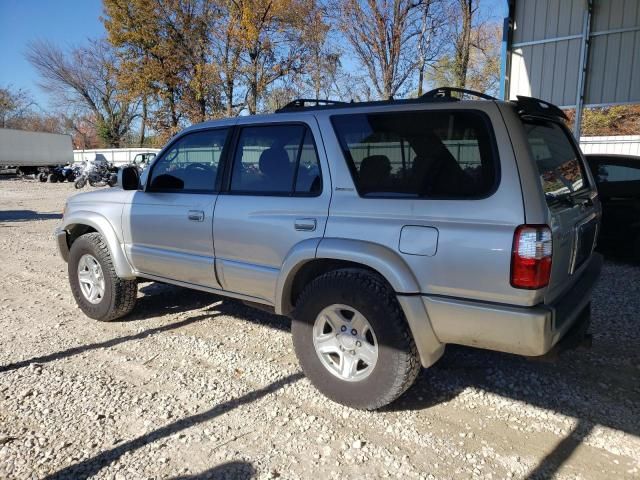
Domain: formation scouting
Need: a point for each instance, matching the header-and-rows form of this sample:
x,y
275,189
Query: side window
x,y
617,173
278,159
191,163
418,154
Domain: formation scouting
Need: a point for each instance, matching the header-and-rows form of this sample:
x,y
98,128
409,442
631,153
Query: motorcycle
x,y
97,173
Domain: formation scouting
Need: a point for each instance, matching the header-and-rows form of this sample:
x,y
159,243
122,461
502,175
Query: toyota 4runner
x,y
385,230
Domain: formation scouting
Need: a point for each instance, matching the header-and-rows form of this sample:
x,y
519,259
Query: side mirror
x,y
129,178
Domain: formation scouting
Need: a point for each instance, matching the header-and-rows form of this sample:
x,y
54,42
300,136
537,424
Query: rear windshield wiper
x,y
565,199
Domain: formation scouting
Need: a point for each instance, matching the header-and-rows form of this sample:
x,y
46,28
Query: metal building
x,y
574,53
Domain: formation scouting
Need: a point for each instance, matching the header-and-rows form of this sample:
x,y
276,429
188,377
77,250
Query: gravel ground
x,y
195,386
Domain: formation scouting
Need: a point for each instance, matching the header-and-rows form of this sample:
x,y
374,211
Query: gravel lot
x,y
194,386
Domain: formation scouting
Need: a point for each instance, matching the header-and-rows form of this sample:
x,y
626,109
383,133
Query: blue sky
x,y
67,23
64,22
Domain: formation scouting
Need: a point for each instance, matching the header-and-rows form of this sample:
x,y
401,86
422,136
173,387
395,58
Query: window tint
x,y
418,154
269,158
191,163
561,171
617,173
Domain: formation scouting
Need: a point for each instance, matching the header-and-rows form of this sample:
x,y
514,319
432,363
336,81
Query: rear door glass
x,y
559,166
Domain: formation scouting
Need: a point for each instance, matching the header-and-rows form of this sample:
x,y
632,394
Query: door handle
x,y
305,224
196,215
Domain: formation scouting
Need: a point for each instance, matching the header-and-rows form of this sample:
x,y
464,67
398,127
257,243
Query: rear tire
x,y
396,364
42,177
53,178
116,297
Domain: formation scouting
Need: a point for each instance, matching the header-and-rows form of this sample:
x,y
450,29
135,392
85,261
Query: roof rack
x,y
445,92
442,94
537,107
300,103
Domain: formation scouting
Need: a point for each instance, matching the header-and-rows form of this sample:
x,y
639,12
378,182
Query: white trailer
x,y
115,156
32,152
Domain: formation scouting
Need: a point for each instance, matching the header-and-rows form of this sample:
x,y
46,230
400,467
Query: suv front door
x,y
274,200
169,229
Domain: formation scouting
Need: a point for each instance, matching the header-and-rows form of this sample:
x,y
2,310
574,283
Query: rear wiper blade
x,y
566,199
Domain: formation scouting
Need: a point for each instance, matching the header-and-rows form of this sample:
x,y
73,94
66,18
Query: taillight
x,y
531,257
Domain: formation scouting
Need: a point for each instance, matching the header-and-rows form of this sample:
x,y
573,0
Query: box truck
x,y
34,153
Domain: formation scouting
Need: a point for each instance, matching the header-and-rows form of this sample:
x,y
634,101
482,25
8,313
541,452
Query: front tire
x,y
80,182
53,178
96,287
352,339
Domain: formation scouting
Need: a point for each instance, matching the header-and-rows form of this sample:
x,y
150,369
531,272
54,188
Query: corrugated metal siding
x,y
620,144
614,59
550,70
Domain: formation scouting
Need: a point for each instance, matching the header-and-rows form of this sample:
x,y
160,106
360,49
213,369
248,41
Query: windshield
x,y
559,165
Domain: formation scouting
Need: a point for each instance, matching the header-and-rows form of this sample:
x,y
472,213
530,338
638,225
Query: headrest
x,y
274,161
375,165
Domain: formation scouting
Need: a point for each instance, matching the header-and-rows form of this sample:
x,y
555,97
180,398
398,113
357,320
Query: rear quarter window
x,y
419,154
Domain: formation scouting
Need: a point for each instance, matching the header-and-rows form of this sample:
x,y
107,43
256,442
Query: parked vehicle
x,y
58,174
618,181
143,160
97,173
140,161
34,153
384,229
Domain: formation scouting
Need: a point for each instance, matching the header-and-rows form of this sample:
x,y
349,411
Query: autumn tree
x,y
165,49
482,72
430,42
15,104
272,42
465,12
383,36
84,79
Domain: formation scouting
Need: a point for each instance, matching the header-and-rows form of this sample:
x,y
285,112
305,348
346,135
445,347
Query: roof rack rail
x,y
300,103
537,107
442,94
445,92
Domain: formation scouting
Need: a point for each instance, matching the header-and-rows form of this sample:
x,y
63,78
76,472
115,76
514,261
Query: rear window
x,y
559,165
418,154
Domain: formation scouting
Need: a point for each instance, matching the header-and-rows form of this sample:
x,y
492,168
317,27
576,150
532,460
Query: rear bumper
x,y
530,331
61,241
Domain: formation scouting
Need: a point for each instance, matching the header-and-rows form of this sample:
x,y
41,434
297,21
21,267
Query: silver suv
x,y
385,230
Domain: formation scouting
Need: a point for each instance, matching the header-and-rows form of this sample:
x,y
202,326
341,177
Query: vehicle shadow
x,y
91,466
73,351
26,216
162,298
236,470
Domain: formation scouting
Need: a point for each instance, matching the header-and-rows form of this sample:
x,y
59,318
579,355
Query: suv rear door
x,y
570,197
277,195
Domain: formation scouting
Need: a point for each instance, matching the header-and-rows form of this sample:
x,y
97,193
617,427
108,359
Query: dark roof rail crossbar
x,y
442,94
301,103
445,92
537,107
